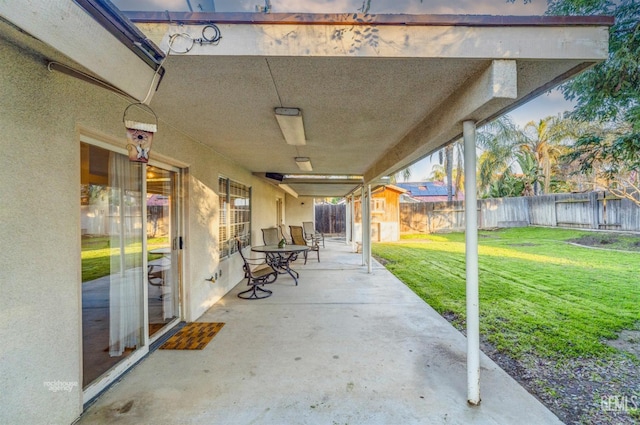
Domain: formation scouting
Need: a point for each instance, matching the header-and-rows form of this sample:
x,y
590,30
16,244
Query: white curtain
x,y
169,263
167,295
126,280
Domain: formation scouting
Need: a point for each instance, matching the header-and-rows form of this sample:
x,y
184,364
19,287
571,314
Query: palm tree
x,y
459,169
448,165
544,141
446,172
438,173
507,185
498,140
405,174
530,172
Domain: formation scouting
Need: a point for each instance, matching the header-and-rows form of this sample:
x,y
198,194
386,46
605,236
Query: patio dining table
x,y
280,258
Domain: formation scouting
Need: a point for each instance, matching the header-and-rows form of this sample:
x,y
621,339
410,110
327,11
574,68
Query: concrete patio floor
x,y
343,347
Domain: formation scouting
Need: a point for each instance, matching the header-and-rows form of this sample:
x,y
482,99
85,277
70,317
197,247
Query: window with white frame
x,y
377,205
235,215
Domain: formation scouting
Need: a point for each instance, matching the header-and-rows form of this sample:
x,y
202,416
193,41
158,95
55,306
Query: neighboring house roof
x,y
407,199
394,188
427,191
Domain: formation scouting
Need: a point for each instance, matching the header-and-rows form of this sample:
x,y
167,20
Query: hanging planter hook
x,y
152,127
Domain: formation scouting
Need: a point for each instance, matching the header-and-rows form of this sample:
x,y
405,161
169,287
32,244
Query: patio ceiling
x,y
376,93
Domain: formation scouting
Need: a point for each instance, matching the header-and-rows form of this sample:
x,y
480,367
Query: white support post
x,y
354,244
471,240
368,228
363,203
348,219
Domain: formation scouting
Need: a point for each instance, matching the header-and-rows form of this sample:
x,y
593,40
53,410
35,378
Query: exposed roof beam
x,y
393,41
288,189
498,81
197,18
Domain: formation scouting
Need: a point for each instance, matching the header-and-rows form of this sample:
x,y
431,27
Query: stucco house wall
x,y
298,210
40,247
44,116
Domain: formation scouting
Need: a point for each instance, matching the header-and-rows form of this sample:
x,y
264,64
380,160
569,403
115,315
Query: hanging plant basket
x,y
139,134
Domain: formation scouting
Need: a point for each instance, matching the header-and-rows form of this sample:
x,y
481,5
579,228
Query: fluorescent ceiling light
x,y
322,177
304,163
290,122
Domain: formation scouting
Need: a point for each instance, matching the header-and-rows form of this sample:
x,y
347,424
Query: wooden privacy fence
x,y
593,210
330,218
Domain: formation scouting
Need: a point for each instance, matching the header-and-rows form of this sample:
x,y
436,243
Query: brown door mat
x,y
193,336
155,327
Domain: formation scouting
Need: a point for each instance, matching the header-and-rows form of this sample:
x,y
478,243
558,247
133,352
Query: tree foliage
x,y
438,173
611,158
543,141
608,94
506,185
609,91
497,140
532,155
454,185
404,174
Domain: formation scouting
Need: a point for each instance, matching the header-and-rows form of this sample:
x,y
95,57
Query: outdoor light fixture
x,y
290,122
304,163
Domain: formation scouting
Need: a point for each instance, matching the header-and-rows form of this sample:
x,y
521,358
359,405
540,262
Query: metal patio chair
x,y
310,233
271,236
297,235
258,274
155,275
284,234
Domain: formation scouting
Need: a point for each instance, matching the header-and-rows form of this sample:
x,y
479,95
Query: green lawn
x,y
538,293
96,255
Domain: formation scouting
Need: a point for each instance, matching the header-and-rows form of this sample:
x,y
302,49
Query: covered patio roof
x,y
376,92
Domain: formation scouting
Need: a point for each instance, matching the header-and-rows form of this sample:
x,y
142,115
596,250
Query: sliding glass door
x,y
130,221
162,247
112,262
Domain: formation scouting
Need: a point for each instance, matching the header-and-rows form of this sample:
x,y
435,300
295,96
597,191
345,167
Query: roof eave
x,y
362,19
